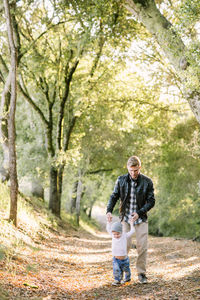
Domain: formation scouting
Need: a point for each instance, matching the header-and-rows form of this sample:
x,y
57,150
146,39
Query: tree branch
x,y
69,132
99,171
101,43
32,103
147,13
34,41
68,79
161,108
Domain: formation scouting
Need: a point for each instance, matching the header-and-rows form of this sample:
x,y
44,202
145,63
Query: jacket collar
x,y
128,178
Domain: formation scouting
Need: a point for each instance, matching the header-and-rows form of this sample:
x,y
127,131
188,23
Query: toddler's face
x,y
116,234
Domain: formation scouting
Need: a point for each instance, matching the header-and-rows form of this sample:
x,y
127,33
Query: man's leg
x,y
141,231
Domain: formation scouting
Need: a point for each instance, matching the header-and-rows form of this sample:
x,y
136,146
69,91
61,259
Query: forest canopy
x,y
97,82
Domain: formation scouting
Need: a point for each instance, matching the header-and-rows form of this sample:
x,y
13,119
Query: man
x,y
136,194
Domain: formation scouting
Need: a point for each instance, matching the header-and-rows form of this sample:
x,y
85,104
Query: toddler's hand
x,y
109,217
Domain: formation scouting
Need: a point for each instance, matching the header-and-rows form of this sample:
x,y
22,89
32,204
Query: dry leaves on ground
x,y
79,266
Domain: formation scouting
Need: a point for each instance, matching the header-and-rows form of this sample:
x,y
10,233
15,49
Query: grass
x,y
3,294
31,221
34,224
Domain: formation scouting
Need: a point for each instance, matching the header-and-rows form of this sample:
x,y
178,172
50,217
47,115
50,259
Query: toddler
x,y
119,251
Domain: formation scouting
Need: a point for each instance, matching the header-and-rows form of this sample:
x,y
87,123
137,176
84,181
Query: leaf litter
x,y
67,266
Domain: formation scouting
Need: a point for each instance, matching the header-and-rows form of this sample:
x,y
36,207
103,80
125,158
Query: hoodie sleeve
x,y
131,232
108,228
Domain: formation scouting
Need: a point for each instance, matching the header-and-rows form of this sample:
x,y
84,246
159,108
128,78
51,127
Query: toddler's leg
x,y
127,270
117,271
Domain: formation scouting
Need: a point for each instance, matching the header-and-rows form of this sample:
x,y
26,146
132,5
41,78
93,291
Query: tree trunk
x,y
11,119
5,103
73,197
6,94
54,205
60,185
78,200
147,13
91,207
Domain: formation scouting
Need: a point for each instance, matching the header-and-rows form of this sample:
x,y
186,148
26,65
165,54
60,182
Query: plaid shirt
x,y
132,204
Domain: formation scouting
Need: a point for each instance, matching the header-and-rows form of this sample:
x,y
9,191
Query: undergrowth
x,y
35,223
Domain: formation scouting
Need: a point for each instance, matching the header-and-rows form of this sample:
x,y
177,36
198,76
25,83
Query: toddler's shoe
x,y
125,280
116,282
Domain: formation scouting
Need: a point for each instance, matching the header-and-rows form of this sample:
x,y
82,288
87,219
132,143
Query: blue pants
x,y
120,266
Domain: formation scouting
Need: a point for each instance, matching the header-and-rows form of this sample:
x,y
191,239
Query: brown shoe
x,y
142,278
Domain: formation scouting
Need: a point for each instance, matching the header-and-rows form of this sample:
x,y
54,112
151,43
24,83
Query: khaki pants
x,y
141,231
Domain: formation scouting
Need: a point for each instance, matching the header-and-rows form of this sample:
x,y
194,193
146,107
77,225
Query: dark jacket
x,y
144,195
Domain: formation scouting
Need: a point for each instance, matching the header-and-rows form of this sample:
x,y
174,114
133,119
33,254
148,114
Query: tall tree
x,y
62,70
173,47
11,119
5,78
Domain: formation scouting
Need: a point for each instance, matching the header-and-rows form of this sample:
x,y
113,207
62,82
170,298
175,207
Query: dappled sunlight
x,y
174,259
102,235
92,241
27,218
194,258
173,271
92,251
82,266
40,262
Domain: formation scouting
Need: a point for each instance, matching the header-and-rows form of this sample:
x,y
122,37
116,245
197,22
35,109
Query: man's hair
x,y
133,161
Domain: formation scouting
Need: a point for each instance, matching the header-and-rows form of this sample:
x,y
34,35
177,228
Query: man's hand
x,y
109,217
135,216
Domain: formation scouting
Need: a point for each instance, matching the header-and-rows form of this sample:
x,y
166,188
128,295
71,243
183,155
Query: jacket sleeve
x,y
114,197
150,200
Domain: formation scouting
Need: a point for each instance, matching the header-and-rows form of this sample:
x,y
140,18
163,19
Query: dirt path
x,y
98,213
78,266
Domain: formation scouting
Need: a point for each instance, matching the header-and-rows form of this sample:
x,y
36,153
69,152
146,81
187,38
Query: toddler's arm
x,y
108,228
132,230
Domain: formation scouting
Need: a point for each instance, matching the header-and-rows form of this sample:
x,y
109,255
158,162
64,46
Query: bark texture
x,y
146,12
78,200
11,118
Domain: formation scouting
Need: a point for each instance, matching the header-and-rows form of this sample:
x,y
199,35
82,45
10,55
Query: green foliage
x,y
178,198
30,143
189,13
126,98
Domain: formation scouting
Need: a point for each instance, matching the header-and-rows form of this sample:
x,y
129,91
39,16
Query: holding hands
x,y
135,216
109,217
131,221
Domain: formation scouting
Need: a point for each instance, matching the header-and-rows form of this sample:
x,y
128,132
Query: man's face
x,y
134,171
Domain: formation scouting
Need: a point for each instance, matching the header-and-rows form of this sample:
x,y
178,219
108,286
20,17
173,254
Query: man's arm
x,y
150,200
113,198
